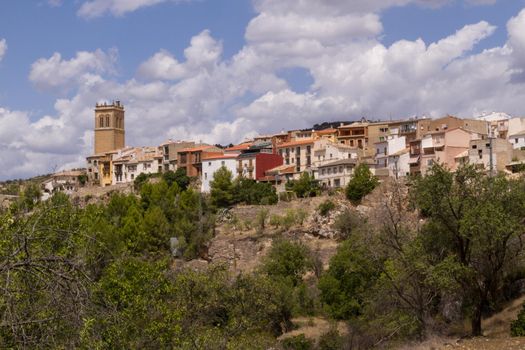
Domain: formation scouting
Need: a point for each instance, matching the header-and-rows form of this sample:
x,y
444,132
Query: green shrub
x,y
275,220
299,342
331,340
305,187
300,216
289,219
260,219
517,327
286,196
139,181
361,184
345,222
326,207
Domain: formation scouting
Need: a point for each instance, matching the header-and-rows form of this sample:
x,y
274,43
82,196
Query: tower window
x,y
101,122
107,121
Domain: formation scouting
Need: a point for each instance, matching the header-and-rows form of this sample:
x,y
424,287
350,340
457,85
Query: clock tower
x,y
109,127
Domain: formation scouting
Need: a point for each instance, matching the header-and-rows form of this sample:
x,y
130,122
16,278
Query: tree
x,y
476,221
222,188
288,261
250,192
44,284
131,308
348,281
30,196
361,184
179,177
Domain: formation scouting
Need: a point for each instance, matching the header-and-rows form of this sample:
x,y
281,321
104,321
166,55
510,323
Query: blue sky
x,y
222,70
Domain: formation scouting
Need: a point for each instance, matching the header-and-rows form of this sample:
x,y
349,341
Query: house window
x,y
430,162
209,163
205,176
222,163
474,146
516,140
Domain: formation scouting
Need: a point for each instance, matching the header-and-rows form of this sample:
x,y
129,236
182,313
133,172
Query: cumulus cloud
x,y
3,48
56,73
204,52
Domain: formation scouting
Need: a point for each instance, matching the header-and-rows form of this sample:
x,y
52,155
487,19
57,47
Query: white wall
x,y
403,167
516,125
520,143
210,166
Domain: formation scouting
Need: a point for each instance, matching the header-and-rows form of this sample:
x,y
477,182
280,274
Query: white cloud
x,y
56,73
98,8
204,52
3,48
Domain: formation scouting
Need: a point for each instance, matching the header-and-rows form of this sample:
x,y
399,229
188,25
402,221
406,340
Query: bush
x,y
361,184
139,181
260,219
345,222
517,327
325,207
305,187
299,342
286,196
331,340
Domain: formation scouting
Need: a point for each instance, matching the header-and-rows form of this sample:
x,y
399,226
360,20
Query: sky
x,y
220,71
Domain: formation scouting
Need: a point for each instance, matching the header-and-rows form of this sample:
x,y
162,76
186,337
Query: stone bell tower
x,y
109,127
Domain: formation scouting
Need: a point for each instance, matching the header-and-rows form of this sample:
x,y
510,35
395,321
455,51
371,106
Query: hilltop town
x,y
329,151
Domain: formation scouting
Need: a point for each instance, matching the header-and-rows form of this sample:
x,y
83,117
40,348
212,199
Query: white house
x,y
213,163
130,163
518,140
392,157
336,173
326,152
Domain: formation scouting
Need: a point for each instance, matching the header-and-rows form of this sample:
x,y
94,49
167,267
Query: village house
x,y
279,176
190,159
298,154
169,151
253,162
392,157
480,154
131,163
64,181
443,147
325,151
337,173
354,135
517,140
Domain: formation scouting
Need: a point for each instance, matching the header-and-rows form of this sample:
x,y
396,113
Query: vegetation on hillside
x,y
439,252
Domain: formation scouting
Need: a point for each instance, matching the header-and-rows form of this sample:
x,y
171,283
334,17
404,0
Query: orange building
x,y
190,159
